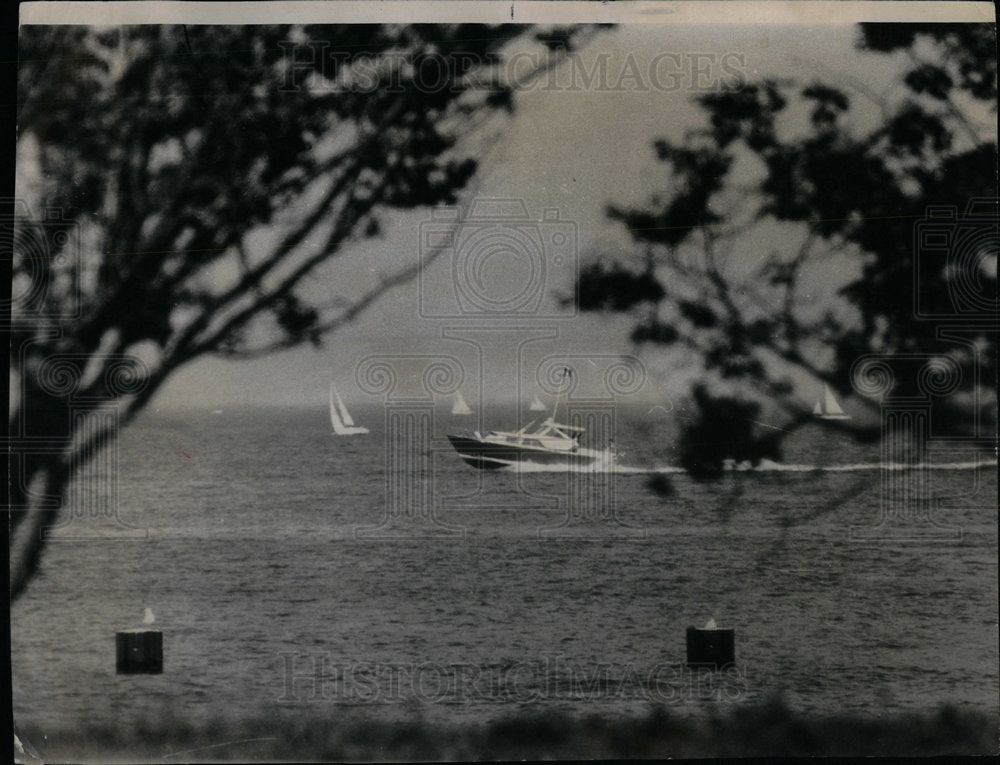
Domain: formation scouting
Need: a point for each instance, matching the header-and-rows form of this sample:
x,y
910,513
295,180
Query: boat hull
x,y
487,455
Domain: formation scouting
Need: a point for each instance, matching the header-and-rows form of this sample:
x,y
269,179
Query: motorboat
x,y
552,443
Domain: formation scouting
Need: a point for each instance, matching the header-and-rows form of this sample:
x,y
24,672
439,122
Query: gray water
x,y
272,605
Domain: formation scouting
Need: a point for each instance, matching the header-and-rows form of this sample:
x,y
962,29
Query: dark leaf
x,y
930,79
615,288
698,314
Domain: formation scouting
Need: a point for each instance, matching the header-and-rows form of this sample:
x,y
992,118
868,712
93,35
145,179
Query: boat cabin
x,y
551,435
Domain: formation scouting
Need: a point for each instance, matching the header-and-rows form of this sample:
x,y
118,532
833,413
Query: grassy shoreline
x,y
769,729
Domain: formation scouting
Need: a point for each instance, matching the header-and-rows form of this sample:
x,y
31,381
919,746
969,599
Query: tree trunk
x,y
39,474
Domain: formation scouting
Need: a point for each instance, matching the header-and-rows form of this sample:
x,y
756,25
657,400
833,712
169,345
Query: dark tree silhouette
x,y
158,151
792,160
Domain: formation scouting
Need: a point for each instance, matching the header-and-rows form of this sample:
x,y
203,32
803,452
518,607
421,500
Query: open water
x,y
289,579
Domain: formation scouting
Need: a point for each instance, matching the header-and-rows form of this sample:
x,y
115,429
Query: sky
x,y
573,152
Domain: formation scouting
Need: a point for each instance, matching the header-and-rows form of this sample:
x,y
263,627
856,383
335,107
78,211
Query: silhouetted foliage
x,y
723,429
768,728
616,288
661,486
153,155
653,331
836,191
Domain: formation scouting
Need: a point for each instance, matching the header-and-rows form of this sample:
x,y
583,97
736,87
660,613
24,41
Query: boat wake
x,y
601,465
765,466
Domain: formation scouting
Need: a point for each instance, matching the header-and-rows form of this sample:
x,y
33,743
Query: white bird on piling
x,y
711,625
148,618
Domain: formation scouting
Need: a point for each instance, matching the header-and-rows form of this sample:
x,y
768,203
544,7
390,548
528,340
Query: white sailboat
x,y
827,408
536,405
340,418
459,406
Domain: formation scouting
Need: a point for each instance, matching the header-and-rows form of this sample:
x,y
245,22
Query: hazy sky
x,y
575,152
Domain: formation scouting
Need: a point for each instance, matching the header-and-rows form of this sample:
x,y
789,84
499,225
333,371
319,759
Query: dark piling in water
x,y
711,648
139,652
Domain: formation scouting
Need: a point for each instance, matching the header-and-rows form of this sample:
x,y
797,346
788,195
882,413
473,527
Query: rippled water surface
x,y
272,603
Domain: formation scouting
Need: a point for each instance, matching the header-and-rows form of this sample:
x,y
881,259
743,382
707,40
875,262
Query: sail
x,y
340,418
830,405
335,420
344,414
828,408
459,406
536,405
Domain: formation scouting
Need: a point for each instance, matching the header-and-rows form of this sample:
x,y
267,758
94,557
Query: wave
x,y
765,466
